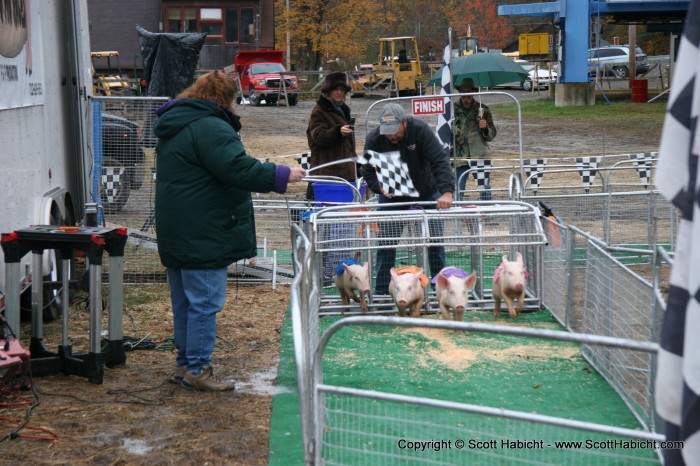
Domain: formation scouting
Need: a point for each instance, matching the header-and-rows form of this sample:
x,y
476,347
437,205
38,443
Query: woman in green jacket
x,y
204,214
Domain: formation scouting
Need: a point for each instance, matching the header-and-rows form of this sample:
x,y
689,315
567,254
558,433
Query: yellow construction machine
x,y
398,68
107,75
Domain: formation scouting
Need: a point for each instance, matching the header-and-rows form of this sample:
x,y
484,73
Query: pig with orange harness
x,y
407,289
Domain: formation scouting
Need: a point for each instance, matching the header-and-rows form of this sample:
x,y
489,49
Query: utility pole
x,y
288,46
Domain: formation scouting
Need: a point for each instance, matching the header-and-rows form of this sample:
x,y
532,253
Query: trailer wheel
x,y
114,186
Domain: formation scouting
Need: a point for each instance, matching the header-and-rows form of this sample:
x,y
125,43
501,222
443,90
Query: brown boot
x,y
206,381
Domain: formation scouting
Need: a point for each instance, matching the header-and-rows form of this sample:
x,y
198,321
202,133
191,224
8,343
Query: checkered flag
x,y
643,163
443,129
112,181
481,170
677,390
587,168
304,160
392,173
536,167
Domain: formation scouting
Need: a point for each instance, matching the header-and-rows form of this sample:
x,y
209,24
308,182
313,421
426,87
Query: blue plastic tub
x,y
336,193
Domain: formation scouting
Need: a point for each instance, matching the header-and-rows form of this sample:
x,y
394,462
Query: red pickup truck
x,y
261,75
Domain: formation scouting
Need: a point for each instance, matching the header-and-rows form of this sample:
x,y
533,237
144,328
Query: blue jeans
x,y
197,295
386,257
484,195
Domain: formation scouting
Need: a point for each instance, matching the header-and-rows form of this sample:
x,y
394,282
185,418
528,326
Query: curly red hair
x,y
215,86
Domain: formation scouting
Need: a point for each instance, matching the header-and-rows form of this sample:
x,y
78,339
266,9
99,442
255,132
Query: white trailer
x,y
45,120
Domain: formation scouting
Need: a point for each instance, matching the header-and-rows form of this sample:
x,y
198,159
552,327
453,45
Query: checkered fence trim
x,y
534,166
643,163
587,168
112,180
304,160
481,171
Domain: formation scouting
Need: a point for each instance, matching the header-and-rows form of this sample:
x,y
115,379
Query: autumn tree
x,y
491,30
326,31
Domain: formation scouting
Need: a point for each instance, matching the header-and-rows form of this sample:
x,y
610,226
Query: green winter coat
x,y
204,209
471,141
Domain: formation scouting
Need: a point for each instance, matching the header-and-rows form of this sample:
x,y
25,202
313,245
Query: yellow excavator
x,y
398,68
468,45
108,82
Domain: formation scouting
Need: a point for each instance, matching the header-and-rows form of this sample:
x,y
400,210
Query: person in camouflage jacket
x,y
473,129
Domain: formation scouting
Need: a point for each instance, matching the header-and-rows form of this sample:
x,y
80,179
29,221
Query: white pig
x,y
355,277
407,292
452,291
509,285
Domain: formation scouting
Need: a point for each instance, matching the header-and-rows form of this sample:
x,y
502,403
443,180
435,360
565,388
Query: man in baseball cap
x,y
390,119
412,142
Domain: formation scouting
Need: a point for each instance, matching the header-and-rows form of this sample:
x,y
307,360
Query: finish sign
x,y
430,106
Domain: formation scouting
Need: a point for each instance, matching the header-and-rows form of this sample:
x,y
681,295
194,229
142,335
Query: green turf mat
x,y
517,373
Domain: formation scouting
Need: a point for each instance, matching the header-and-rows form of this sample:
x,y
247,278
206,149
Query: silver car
x,y
614,59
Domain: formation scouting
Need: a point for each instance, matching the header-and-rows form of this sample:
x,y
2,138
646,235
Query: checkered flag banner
x,y
304,160
677,391
481,170
112,179
536,167
392,173
587,168
443,129
643,162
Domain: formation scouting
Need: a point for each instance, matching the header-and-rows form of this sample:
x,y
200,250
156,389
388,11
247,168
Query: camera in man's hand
x,y
352,123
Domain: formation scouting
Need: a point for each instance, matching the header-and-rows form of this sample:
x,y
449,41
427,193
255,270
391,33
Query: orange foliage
x,y
491,30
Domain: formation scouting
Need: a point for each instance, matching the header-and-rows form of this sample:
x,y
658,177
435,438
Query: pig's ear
x,y
470,281
442,280
347,267
504,259
393,272
518,257
420,271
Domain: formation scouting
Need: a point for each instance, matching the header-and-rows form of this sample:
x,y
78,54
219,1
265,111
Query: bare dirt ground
x,y
135,417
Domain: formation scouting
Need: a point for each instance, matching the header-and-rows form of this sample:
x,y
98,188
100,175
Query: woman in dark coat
x,y
330,132
204,214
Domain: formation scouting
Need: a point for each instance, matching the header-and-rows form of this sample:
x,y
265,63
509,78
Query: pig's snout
x,y
518,287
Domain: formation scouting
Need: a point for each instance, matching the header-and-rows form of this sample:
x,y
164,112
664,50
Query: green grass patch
x,y
600,112
518,373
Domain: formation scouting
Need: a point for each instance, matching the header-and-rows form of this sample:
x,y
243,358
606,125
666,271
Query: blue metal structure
x,y
573,18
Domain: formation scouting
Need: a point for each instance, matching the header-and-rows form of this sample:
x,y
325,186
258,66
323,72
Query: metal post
x,y
65,269
570,278
95,307
12,296
37,294
116,302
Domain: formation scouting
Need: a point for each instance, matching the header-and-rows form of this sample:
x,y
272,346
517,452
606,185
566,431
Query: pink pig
x,y
407,291
509,285
355,277
452,291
